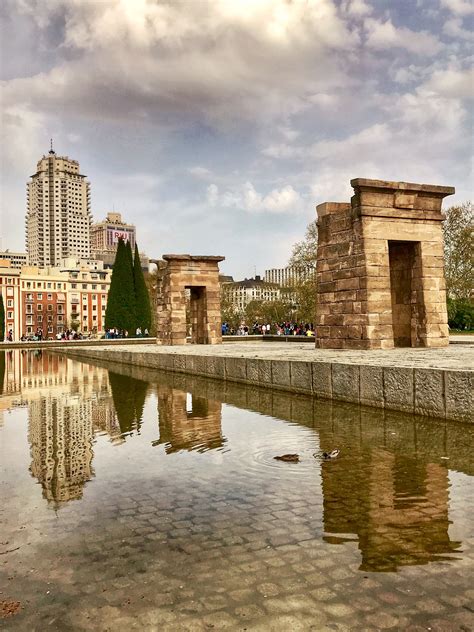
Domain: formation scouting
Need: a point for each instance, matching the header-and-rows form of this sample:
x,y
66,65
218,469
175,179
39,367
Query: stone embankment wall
x,y
438,392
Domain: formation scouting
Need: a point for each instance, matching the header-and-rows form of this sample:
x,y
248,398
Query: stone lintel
x,y
435,190
331,207
193,258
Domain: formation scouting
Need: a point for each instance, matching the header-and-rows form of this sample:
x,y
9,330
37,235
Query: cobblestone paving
x,y
455,357
227,538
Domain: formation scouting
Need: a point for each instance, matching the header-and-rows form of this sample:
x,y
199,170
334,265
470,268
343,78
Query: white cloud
x,y
459,7
246,197
454,28
451,83
201,173
384,35
356,8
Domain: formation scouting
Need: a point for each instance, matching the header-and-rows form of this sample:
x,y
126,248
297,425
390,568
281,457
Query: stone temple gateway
x,y
380,268
199,275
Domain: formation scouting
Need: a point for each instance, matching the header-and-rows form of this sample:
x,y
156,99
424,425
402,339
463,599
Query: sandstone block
x,y
281,373
345,382
322,380
429,392
301,377
399,388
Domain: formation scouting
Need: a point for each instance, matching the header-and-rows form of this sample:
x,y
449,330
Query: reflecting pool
x,y
133,499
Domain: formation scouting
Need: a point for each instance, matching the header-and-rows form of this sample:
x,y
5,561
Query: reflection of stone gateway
x,y
181,429
200,274
380,268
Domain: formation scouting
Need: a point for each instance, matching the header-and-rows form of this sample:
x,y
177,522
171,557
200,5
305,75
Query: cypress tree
x,y
142,298
2,319
120,310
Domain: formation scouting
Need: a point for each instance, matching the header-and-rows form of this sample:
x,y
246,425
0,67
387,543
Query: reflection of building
x,y
67,403
397,506
60,435
188,422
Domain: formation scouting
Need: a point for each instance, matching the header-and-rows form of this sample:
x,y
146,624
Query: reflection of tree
x,y
129,396
2,370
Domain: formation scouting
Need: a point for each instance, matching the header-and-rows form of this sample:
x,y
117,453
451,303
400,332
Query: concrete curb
x,y
441,393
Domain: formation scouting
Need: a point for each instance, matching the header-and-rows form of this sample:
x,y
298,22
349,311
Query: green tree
x,y
304,258
120,311
142,299
150,282
458,229
2,319
304,253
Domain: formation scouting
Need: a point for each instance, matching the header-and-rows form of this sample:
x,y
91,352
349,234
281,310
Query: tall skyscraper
x,y
58,219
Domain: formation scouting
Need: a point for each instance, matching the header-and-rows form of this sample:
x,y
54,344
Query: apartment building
x,y
241,293
58,217
72,295
17,259
286,277
10,291
87,289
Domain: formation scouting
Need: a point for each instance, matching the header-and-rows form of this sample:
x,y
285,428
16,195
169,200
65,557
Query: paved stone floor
x,y
453,357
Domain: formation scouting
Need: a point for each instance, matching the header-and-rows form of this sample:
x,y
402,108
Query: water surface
x,y
132,499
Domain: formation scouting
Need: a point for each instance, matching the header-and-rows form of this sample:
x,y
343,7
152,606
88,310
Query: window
x,y
39,296
50,308
50,297
39,307
9,303
9,314
74,286
84,286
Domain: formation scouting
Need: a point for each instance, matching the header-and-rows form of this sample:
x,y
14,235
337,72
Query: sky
x,y
216,126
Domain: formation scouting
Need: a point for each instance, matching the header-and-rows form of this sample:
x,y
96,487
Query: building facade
x,y
105,236
51,300
241,293
285,277
58,219
16,259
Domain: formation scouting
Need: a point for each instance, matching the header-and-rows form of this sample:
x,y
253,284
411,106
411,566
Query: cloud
x,y
384,35
200,172
356,8
245,197
454,28
451,83
459,7
206,61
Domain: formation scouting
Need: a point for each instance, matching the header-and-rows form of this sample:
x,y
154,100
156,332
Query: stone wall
x,y
380,268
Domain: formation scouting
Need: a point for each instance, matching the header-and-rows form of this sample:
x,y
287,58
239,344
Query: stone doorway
x,y
380,268
402,255
180,276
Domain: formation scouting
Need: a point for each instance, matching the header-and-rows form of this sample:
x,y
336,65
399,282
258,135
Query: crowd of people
x,y
265,329
114,332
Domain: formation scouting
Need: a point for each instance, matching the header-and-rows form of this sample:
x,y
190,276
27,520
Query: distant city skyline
x,y
216,127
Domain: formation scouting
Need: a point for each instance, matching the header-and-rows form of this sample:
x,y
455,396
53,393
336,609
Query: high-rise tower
x,y
58,218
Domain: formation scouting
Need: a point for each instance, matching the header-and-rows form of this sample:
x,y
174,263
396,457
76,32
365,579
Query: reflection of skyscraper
x,y
188,422
67,402
60,434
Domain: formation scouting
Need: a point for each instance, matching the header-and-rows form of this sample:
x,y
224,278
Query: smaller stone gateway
x,y
199,274
380,268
